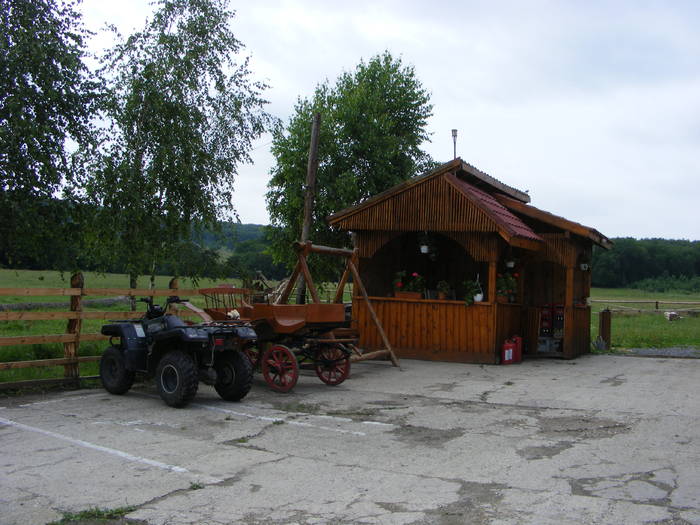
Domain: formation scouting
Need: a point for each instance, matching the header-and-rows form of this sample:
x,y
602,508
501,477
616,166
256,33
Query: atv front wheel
x,y
115,377
234,375
176,379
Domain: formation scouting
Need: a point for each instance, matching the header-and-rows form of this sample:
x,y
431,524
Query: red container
x,y
518,355
508,352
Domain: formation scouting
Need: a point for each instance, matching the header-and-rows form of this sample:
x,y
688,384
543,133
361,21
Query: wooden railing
x,y
74,334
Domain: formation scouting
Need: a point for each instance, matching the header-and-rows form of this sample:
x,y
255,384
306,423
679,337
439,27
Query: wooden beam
x,y
70,350
307,277
361,288
284,296
492,282
37,339
340,290
145,292
569,328
326,250
11,365
33,292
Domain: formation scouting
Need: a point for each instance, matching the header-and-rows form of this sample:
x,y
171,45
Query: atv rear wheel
x,y
234,375
176,379
115,377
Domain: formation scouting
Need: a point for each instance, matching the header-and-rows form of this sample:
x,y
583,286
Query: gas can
x,y
508,352
518,354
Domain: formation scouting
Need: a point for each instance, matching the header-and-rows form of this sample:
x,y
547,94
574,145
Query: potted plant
x,y
472,291
443,288
408,287
507,287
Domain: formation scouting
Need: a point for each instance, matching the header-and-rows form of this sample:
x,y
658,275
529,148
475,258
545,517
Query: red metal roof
x,y
499,213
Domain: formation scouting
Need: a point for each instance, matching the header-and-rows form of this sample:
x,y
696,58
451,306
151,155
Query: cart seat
x,y
291,318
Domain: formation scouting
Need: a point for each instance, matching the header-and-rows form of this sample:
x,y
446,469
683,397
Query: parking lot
x,y
602,439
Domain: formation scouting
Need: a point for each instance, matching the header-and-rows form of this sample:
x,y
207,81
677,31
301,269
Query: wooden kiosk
x,y
455,225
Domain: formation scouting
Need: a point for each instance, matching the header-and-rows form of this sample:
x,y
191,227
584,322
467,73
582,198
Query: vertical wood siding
x,y
433,205
433,330
582,331
508,322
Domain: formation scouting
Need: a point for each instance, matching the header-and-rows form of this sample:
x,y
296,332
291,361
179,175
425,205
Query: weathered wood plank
x,y
34,292
11,365
37,339
142,292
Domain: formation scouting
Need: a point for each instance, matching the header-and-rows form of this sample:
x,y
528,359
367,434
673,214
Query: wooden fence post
x,y
71,349
604,327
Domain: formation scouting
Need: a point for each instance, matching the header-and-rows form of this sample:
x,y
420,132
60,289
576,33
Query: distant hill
x,y
232,234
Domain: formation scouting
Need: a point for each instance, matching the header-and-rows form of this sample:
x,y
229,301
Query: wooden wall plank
x,y
435,330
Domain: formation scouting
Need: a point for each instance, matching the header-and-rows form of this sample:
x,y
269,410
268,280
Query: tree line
x,y
655,265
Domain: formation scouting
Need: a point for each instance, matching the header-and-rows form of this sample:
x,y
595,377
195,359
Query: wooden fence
x,y
605,315
73,335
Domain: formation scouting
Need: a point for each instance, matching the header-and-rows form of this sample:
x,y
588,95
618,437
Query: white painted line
x,y
59,400
278,419
100,448
334,418
378,423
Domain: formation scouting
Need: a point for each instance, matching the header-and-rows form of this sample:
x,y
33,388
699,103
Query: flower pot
x,y
478,297
407,295
501,298
441,296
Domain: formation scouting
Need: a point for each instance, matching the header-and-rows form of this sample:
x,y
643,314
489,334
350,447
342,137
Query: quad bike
x,y
178,355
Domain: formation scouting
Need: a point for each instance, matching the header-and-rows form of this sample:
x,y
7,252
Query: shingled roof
x,y
457,197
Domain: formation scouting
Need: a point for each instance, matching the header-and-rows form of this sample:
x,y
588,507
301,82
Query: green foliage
x,y
96,515
373,122
253,256
631,261
471,288
411,283
507,283
47,97
183,115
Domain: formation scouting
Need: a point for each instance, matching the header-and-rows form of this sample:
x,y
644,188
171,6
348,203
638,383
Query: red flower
x,y
399,284
414,274
516,275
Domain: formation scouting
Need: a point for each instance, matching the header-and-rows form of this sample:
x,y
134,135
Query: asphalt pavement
x,y
601,439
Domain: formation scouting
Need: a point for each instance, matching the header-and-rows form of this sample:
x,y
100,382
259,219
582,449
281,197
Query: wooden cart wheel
x,y
332,365
253,355
279,368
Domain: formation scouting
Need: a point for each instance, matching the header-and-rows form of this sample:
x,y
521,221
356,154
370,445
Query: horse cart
x,y
296,336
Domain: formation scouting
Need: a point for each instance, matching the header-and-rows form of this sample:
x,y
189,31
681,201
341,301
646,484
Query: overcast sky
x,y
592,107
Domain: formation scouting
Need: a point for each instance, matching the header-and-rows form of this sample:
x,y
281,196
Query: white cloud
x,y
593,106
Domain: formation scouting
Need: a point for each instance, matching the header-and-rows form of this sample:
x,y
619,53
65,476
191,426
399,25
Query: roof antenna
x,y
454,142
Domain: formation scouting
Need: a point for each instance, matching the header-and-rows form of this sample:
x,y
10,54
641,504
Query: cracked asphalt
x,y
602,439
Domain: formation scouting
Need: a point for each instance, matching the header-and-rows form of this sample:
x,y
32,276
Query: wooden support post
x,y
284,296
309,192
569,329
340,291
604,327
492,282
357,284
306,274
71,349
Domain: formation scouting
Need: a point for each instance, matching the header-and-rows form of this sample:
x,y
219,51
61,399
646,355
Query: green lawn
x,y
646,330
52,279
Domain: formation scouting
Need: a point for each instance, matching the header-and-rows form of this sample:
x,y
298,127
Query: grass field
x,y
645,330
52,279
649,329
